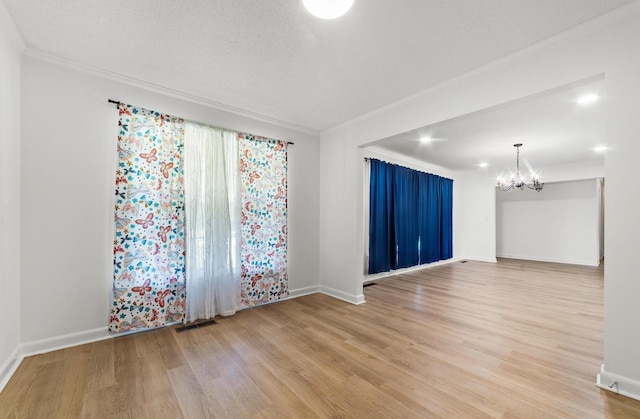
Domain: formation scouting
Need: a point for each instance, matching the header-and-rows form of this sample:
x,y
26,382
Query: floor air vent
x,y
195,325
463,261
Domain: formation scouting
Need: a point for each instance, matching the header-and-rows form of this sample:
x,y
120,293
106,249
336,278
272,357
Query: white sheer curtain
x,y
212,221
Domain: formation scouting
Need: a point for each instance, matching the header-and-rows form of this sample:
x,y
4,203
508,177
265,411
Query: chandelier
x,y
517,180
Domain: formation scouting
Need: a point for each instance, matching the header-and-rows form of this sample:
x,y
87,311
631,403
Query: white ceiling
x,y
552,127
270,57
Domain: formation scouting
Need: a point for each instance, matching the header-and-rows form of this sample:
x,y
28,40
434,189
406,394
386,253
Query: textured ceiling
x,y
273,59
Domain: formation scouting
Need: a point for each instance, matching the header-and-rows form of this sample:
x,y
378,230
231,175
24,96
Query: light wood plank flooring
x,y
508,340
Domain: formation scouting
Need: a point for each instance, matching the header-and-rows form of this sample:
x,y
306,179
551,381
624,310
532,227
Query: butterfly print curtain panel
x,y
263,178
148,254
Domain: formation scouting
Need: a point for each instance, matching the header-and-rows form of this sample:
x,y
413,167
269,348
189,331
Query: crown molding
x,y
8,25
156,88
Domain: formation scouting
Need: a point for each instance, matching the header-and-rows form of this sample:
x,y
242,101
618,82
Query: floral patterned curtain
x,y
263,178
148,275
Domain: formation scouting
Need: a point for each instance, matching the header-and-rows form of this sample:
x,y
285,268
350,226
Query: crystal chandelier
x,y
517,180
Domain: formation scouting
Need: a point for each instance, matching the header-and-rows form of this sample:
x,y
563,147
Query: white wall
x,y
11,46
341,220
68,169
559,224
477,216
575,171
607,46
622,200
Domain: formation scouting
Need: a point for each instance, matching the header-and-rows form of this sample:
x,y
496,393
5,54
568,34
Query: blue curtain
x,y
430,218
382,249
410,219
405,210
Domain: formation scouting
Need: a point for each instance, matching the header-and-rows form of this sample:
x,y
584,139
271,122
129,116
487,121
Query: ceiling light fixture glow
x,y
327,9
588,99
600,149
483,165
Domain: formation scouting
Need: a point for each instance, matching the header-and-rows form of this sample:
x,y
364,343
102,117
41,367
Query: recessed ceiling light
x,y
600,149
588,99
327,9
425,140
483,164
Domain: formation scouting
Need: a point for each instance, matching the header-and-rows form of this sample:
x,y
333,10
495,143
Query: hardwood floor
x,y
514,339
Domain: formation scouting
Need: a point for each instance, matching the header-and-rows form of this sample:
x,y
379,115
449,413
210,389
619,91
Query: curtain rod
x,y
117,102
406,167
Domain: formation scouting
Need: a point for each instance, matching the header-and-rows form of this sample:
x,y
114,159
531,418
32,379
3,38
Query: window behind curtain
x,y
149,249
410,218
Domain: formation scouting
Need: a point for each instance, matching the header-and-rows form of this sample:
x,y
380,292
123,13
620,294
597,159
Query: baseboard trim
x,y
551,260
38,347
481,259
9,367
340,295
299,292
618,384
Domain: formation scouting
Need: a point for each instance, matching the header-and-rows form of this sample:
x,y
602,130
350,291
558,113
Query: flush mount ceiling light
x,y
588,99
427,139
327,9
517,180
